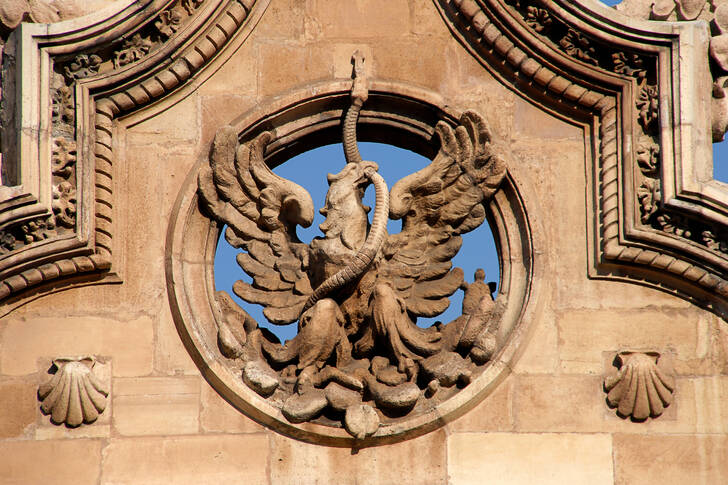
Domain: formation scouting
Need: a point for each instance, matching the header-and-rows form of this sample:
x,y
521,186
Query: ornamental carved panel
x,y
359,366
647,96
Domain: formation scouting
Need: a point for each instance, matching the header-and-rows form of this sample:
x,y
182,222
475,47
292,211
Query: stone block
x,y
504,458
148,198
670,460
541,354
585,293
219,416
218,110
238,76
426,20
18,404
281,63
563,403
417,461
128,343
584,335
333,19
170,355
423,65
186,460
711,404
60,462
179,123
547,166
533,122
288,13
156,405
471,88
494,413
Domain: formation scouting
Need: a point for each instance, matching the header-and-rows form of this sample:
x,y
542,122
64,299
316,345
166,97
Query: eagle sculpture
x,y
356,292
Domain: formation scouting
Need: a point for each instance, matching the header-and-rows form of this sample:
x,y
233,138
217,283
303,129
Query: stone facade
x,y
616,255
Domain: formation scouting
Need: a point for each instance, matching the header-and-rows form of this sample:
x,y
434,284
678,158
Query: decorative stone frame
x,y
497,34
620,246
88,253
398,114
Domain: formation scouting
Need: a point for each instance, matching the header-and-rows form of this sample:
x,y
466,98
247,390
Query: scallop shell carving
x,y
641,387
74,395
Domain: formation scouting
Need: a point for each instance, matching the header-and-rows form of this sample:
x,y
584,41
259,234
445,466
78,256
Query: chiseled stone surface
x,y
18,405
558,403
170,356
156,405
62,462
546,422
494,413
186,460
585,334
418,461
670,460
547,458
219,416
129,340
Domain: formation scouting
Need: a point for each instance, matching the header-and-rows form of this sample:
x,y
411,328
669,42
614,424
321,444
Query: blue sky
x,y
309,170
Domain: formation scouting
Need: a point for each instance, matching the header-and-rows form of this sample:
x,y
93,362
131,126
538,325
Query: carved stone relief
x,y
356,292
56,218
715,12
360,369
74,394
642,386
650,202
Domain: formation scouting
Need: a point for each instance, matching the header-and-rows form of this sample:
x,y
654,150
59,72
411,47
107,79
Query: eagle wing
x,y
261,211
437,205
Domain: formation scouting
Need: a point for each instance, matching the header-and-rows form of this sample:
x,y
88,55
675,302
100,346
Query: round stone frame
x,y
397,114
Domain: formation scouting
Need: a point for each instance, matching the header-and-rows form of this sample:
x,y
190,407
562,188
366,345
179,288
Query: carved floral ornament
x,y
657,217
359,367
715,12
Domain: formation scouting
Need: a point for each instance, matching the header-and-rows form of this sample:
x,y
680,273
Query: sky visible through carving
x,y
309,170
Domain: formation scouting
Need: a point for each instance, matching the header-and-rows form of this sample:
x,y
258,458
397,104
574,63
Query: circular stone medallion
x,y
359,371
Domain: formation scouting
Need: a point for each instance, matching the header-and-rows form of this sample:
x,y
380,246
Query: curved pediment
x,y
657,217
65,85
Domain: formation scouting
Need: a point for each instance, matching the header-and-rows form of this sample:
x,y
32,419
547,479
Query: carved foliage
x,y
65,73
140,87
578,46
641,387
74,394
643,69
716,13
